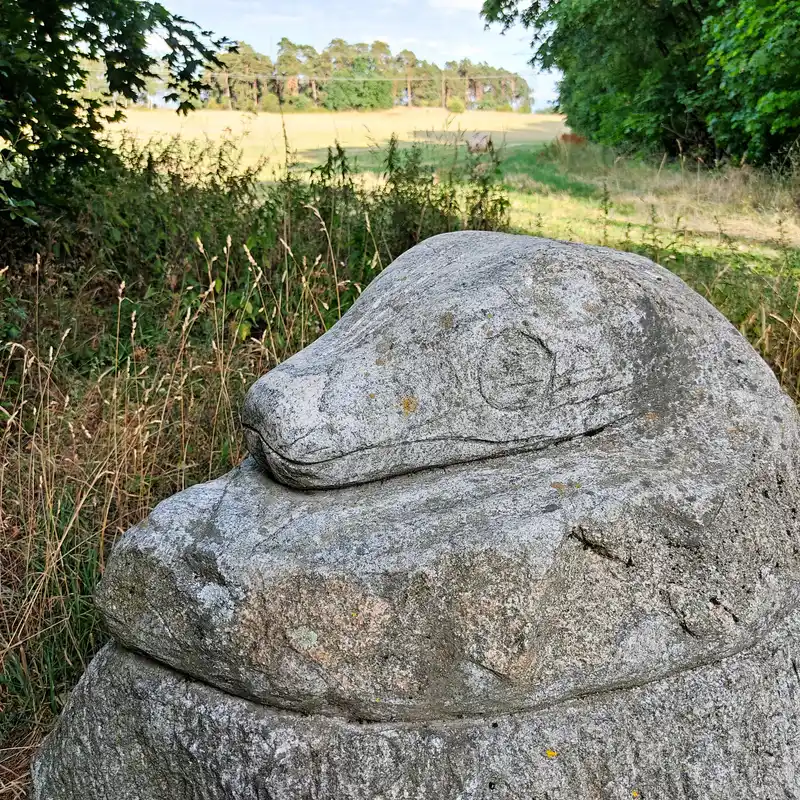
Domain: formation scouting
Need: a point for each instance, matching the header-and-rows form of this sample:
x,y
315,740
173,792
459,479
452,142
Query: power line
x,y
333,78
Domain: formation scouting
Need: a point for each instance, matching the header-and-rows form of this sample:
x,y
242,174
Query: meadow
x,y
132,331
557,195
265,136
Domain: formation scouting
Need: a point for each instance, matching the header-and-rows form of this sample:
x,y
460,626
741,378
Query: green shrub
x,y
363,95
751,90
712,78
299,102
455,105
139,221
270,103
50,118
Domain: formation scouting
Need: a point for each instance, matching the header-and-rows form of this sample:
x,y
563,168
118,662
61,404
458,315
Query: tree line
x,y
357,76
715,78
344,76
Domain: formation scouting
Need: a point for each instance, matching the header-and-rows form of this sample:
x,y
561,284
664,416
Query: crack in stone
x,y
681,618
579,535
353,719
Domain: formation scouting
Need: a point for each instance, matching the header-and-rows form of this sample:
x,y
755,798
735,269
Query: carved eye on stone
x,y
515,371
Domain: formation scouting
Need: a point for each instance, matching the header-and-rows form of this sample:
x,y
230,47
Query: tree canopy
x,y
356,76
51,109
710,76
752,89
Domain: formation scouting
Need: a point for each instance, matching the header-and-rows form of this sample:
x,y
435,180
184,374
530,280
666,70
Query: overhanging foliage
x,y
711,77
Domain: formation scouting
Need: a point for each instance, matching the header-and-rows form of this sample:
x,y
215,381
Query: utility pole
x,y
228,90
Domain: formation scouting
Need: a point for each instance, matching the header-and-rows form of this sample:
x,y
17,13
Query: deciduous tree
x,y
713,77
48,124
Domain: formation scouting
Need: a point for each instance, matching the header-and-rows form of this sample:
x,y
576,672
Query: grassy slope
x,y
567,184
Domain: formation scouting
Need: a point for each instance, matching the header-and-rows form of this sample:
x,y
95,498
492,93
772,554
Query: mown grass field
x,y
309,135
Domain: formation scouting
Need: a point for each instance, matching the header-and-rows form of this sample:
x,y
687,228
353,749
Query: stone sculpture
x,y
524,523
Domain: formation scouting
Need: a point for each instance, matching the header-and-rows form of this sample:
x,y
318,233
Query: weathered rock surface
x,y
135,730
460,592
523,483
649,524
482,344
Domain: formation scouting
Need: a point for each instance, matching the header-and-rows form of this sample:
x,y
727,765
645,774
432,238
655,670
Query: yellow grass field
x,y
309,134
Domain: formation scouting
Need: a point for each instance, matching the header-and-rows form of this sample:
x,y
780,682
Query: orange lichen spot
x,y
409,404
563,488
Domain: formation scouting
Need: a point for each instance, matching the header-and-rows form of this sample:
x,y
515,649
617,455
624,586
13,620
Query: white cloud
x,y
473,6
273,19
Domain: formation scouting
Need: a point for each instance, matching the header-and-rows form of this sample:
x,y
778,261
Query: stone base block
x,y
136,730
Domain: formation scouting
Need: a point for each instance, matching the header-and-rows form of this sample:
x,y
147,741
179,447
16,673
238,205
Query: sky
x,y
436,30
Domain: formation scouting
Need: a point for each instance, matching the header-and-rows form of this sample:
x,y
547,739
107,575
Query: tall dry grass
x,y
80,463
